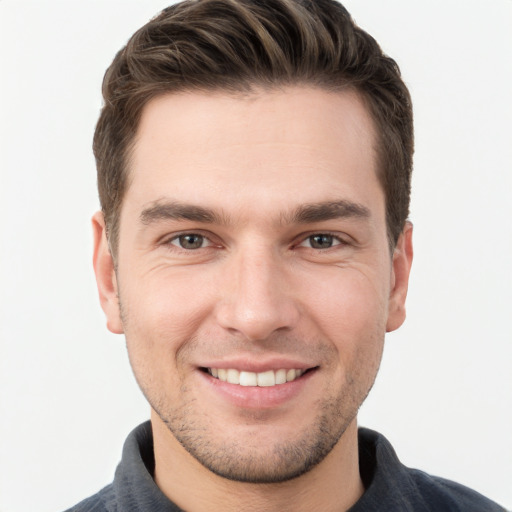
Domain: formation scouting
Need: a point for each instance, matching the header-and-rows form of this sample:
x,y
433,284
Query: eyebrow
x,y
328,210
304,214
173,210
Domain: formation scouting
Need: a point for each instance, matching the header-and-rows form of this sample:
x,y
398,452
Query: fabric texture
x,y
390,486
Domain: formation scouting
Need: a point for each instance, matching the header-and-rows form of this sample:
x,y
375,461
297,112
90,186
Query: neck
x,y
332,485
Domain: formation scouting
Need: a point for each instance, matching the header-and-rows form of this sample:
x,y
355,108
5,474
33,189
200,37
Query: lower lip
x,y
256,397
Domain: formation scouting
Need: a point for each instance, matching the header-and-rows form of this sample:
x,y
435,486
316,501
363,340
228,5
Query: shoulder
x,y
441,494
103,501
392,486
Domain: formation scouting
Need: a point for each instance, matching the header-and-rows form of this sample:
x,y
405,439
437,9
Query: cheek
x,y
166,305
349,302
350,312
161,316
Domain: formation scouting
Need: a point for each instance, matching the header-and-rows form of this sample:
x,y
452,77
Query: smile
x,y
262,379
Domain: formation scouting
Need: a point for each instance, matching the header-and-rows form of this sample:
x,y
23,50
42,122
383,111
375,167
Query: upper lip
x,y
250,364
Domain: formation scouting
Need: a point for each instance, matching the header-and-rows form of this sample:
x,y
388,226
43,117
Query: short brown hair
x,y
235,45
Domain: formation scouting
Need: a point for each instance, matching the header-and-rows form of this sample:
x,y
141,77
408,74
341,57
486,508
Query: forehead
x,y
291,115
269,146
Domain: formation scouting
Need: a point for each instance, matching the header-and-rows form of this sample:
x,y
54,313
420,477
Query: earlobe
x,y
402,261
105,275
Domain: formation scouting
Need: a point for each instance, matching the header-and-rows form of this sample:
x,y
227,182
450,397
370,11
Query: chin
x,y
261,454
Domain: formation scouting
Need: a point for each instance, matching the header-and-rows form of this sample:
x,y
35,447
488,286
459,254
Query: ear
x,y
402,261
105,275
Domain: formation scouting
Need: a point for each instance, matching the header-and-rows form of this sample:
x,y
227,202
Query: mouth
x,y
267,378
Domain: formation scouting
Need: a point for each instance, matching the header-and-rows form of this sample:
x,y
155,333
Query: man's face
x,y
253,248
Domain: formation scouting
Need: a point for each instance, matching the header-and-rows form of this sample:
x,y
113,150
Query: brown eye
x,y
189,241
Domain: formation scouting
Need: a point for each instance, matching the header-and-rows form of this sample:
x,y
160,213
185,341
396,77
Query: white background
x,y
68,399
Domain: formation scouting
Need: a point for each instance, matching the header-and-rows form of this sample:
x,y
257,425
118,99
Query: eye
x,y
190,241
321,241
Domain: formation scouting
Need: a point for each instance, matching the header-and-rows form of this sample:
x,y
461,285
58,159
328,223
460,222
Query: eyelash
x,y
176,238
337,240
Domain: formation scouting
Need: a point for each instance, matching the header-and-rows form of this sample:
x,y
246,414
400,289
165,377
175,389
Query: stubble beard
x,y
275,462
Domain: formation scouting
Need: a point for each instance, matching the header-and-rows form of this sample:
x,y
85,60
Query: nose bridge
x,y
257,299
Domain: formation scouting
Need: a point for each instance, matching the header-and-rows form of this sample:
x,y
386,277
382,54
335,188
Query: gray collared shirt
x,y
390,486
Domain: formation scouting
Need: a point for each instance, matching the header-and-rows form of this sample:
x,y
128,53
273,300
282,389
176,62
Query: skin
x,y
257,292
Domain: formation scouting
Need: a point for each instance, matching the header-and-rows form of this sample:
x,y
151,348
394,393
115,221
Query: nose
x,y
257,296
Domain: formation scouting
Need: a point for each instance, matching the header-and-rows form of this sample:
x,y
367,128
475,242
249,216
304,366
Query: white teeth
x,y
248,379
233,376
267,379
262,379
280,376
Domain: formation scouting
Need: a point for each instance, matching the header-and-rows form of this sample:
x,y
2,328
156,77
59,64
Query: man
x,y
254,163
